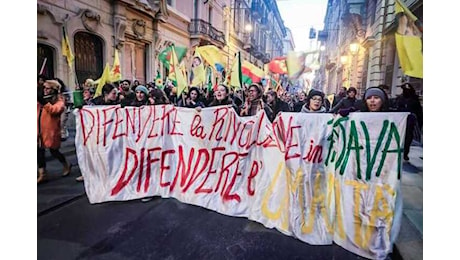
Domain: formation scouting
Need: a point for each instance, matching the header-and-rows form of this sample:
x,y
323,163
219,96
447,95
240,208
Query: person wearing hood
x,y
314,102
409,102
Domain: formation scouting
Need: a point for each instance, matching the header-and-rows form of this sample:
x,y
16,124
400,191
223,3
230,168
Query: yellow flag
x,y
176,74
236,74
410,54
199,75
295,63
212,55
115,73
66,49
105,78
408,42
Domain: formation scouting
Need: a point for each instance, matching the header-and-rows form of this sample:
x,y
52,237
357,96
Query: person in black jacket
x,y
348,103
277,105
298,105
222,98
192,100
341,95
409,102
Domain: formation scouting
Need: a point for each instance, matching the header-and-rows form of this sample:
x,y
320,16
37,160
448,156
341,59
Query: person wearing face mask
x,y
314,102
409,102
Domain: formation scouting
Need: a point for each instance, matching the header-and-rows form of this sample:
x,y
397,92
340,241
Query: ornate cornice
x,y
44,10
138,27
90,19
120,27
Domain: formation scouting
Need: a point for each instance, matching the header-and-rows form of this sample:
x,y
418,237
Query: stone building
x,y
141,29
368,25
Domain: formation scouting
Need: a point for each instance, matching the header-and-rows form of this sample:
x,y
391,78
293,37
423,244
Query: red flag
x,y
278,65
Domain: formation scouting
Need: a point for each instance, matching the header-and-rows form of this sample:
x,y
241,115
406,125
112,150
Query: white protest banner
x,y
316,177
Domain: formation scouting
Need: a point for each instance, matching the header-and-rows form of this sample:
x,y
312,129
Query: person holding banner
x,y
108,97
375,100
409,102
314,102
193,99
159,97
222,98
254,102
142,97
49,128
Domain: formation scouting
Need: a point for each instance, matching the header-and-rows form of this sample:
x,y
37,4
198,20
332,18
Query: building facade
x,y
141,29
369,25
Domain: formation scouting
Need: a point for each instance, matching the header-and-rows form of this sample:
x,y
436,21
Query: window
x,y
88,56
45,59
171,3
210,15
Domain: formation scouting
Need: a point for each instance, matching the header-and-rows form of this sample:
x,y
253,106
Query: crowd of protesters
x,y
52,105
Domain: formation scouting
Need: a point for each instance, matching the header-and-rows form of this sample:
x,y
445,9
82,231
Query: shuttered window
x,y
88,56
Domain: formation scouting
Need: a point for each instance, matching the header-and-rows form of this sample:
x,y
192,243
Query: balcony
x,y
207,34
249,43
267,58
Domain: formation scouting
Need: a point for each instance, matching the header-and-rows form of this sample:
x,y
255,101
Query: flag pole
x,y
43,66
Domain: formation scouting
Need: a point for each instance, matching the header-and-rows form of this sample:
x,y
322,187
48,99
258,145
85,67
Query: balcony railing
x,y
200,27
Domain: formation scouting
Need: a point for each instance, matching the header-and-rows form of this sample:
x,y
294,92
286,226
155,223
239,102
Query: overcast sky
x,y
299,16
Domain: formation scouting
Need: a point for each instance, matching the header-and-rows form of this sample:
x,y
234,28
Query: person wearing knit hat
x,y
142,98
375,100
142,88
314,102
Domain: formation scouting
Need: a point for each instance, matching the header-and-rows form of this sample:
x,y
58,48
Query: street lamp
x,y
354,49
248,28
344,59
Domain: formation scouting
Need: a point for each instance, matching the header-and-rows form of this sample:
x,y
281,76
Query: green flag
x,y
209,78
159,81
165,55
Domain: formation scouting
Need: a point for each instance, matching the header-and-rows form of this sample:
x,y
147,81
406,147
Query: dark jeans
x,y
54,152
409,134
